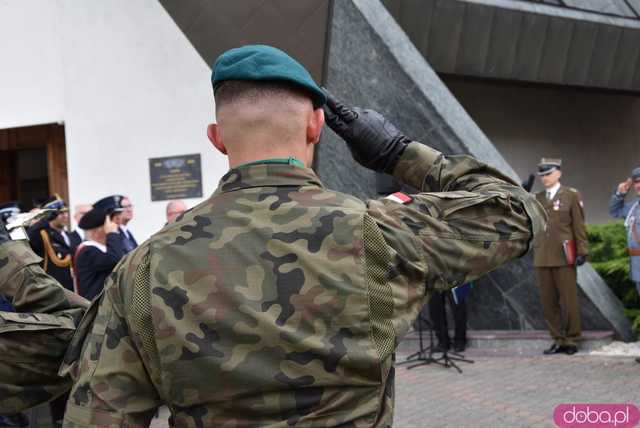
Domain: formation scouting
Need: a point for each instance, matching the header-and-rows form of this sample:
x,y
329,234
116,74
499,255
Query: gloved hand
x,y
580,260
4,234
375,143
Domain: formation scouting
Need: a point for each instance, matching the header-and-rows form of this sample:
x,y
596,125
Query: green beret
x,y
261,62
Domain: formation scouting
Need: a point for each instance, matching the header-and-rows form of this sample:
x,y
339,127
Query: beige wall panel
x,y
597,134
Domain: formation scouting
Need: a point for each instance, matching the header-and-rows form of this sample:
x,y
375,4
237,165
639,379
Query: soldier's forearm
x,y
430,171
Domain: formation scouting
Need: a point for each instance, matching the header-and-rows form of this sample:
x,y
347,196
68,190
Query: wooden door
x,y
48,138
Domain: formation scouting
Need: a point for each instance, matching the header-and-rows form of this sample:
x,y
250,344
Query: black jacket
x,y
129,243
60,248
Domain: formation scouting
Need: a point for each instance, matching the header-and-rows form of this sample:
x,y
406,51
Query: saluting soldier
x,y
120,209
278,302
558,251
49,240
96,257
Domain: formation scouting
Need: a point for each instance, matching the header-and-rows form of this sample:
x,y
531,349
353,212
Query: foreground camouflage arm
x,y
468,220
34,339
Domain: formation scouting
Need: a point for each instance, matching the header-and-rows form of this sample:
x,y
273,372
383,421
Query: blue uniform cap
x,y
110,204
262,62
8,210
635,174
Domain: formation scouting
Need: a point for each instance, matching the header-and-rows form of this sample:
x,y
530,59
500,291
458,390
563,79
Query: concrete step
x,y
509,342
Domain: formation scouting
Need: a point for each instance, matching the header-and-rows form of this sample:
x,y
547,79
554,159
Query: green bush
x,y
608,255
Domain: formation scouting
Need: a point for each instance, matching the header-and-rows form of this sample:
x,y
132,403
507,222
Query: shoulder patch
x,y
573,190
399,197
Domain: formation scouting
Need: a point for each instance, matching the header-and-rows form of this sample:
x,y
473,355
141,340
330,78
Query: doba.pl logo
x,y
596,415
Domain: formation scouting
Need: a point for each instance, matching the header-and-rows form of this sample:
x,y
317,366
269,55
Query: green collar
x,y
281,161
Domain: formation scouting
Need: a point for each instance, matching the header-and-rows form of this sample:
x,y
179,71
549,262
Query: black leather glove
x,y
4,235
580,260
375,143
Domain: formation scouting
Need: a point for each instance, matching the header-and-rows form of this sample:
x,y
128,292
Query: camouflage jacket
x,y
277,302
34,339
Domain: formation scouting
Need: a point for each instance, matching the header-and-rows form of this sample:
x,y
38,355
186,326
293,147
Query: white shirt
x,y
95,244
551,191
81,233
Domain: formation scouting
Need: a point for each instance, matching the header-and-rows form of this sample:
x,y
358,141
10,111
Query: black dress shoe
x,y
569,349
553,349
440,347
459,346
638,360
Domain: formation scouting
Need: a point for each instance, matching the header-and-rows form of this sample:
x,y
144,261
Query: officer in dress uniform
x,y
50,241
121,211
97,256
557,252
630,212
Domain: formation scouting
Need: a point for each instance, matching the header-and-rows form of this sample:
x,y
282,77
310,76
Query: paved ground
x,y
508,391
511,391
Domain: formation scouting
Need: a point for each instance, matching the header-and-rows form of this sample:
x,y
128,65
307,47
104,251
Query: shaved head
x,y
259,120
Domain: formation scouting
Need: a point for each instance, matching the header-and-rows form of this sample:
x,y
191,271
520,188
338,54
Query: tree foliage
x,y
608,255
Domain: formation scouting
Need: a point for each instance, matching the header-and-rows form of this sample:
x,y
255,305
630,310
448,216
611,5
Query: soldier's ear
x,y
215,136
315,122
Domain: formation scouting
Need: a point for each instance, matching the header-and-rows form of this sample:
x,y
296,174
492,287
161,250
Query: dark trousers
x,y
438,315
58,407
559,295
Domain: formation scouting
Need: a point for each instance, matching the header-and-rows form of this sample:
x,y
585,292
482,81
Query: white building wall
x,y
127,84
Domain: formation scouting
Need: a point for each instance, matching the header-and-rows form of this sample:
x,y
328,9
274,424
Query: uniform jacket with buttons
x,y
566,222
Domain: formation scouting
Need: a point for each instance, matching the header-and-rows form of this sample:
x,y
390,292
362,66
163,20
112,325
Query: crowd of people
x,y
81,258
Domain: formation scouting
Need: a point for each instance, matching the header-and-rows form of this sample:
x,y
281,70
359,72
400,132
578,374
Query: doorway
x,y
33,164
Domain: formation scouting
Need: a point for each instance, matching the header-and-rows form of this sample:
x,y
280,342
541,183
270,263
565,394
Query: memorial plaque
x,y
175,177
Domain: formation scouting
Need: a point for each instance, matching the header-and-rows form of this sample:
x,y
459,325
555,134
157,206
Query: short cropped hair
x,y
257,90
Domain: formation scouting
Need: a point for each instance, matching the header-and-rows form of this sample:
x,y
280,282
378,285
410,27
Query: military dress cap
x,y
92,219
548,165
262,62
56,203
110,204
635,174
8,210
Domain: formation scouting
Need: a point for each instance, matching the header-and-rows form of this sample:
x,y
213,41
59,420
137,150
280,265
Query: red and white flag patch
x,y
399,197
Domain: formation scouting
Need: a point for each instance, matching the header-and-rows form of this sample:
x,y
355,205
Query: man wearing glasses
x,y
630,212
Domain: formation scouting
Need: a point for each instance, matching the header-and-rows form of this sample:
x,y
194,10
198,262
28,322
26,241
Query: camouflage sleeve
x,y
112,387
577,223
29,288
33,340
468,220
